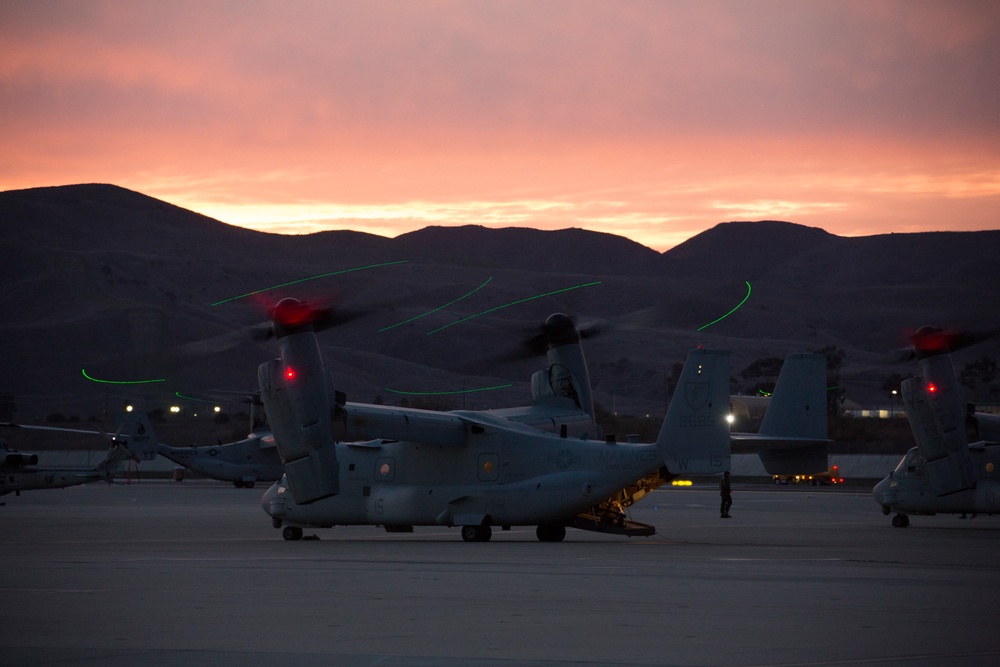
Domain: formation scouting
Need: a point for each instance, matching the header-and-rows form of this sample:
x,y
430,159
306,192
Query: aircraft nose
x,y
270,500
882,494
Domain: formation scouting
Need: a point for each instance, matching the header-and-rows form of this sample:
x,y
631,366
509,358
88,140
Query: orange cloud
x,y
651,120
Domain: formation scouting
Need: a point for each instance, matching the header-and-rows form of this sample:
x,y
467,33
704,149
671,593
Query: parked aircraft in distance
x,y
944,473
244,462
21,472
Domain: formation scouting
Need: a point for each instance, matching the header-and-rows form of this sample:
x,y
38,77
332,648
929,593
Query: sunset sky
x,y
654,120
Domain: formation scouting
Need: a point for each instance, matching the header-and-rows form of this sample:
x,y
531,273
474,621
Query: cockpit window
x,y
912,464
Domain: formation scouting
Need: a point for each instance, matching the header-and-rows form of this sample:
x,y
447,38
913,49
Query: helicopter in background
x,y
243,462
21,472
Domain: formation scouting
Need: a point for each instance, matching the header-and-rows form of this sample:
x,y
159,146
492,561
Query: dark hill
x,y
748,250
103,278
561,251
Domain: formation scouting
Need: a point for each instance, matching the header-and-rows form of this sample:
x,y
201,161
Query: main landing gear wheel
x,y
292,533
477,533
901,521
550,533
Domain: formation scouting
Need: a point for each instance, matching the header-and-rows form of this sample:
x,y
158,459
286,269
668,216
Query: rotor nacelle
x,y
560,329
298,396
567,374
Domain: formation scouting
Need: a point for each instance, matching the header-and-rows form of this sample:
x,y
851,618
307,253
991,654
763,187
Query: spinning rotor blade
x,y
206,347
558,329
290,315
930,341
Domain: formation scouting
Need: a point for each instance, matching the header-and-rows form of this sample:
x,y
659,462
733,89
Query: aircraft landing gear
x,y
476,533
550,533
901,521
292,533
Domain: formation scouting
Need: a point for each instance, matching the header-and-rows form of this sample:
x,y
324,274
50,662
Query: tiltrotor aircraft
x,y
944,473
350,464
244,462
20,471
792,438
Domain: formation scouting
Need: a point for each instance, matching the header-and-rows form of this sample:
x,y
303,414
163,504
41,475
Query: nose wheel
x,y
476,533
550,533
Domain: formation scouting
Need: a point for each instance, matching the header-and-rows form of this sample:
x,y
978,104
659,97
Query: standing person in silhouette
x,y
726,491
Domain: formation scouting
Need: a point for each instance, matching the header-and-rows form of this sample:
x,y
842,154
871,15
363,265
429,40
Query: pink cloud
x,y
617,114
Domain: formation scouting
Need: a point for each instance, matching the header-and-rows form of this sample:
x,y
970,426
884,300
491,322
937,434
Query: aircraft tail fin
x,y
694,438
798,404
136,433
793,435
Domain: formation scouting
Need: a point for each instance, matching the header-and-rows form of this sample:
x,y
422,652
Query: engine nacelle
x,y
298,396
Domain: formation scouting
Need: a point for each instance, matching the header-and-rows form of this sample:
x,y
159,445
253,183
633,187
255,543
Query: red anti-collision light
x,y
931,387
289,373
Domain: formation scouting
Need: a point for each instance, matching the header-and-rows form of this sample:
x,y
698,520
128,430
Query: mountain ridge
x,y
94,271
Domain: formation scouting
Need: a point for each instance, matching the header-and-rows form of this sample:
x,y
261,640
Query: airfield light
x,y
217,409
128,408
174,409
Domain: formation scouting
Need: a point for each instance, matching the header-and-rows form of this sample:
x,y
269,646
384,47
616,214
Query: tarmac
x,y
165,573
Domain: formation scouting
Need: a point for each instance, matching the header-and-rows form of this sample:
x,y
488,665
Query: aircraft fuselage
x,y
43,478
506,479
913,487
248,460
